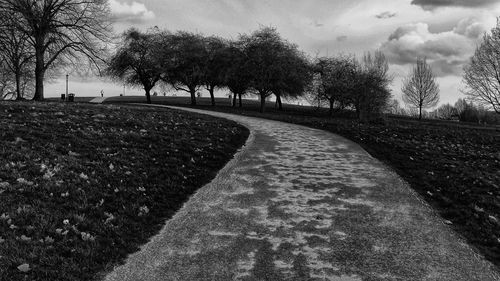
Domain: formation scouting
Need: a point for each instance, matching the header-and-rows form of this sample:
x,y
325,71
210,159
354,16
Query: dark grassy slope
x,y
82,186
455,167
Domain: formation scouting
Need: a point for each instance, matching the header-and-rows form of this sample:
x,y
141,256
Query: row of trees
x,y
261,63
39,37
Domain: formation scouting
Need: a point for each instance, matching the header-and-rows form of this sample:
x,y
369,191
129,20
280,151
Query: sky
x,y
446,32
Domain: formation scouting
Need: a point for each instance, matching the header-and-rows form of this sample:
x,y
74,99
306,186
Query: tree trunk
x,y
280,104
212,97
39,74
192,91
234,100
18,86
331,107
420,113
239,95
148,96
262,102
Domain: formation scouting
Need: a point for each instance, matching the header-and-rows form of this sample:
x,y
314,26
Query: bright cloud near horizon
x,y
446,32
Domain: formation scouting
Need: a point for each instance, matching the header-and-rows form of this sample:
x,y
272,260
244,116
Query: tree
x,y
446,111
216,64
16,52
393,107
371,93
295,74
136,61
237,77
6,81
482,73
183,60
61,31
270,64
335,79
420,88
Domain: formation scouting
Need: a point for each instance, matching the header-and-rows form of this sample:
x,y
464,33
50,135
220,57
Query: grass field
x,y
82,186
455,167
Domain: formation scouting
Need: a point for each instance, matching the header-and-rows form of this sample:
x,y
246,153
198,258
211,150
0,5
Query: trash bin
x,y
71,97
63,97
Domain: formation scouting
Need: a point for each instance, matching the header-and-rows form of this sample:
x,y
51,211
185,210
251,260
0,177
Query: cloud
x,y
386,15
341,38
134,12
470,27
433,4
446,51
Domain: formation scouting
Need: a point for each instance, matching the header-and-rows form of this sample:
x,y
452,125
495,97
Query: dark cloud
x,y
386,15
433,4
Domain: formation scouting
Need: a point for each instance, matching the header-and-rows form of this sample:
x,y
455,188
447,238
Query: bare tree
x,y
446,111
6,81
274,65
183,60
393,107
16,52
216,64
371,93
335,78
237,77
482,73
62,31
295,74
136,61
420,88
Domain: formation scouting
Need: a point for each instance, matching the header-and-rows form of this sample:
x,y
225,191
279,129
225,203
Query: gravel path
x,y
304,204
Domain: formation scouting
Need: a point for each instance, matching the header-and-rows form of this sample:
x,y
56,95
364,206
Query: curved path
x,y
304,204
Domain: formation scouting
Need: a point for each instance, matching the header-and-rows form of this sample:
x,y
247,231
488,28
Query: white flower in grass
x,y
111,167
141,189
66,222
1,240
86,236
84,176
143,210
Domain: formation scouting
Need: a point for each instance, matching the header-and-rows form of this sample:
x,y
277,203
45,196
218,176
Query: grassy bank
x,y
81,186
455,167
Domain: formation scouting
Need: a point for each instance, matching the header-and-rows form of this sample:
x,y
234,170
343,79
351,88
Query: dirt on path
x,y
304,204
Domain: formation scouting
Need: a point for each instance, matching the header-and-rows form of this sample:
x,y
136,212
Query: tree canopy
x,y
482,73
136,60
